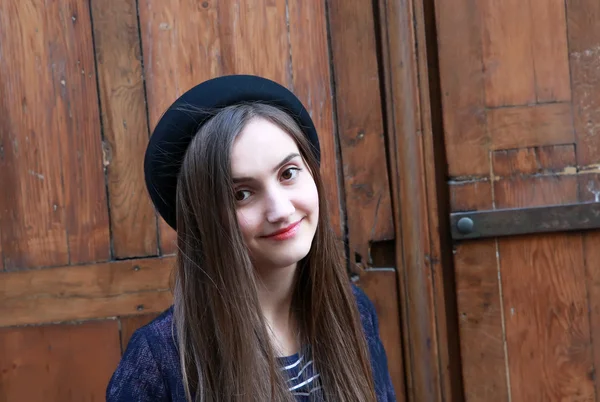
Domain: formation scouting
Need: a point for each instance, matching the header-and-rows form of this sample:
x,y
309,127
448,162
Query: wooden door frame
x,y
420,200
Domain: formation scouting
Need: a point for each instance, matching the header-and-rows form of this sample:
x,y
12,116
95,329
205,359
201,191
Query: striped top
x,y
302,377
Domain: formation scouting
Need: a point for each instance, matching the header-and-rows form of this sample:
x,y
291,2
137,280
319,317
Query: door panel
x,y
83,83
520,93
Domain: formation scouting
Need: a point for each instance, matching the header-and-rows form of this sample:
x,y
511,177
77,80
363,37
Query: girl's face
x,y
276,196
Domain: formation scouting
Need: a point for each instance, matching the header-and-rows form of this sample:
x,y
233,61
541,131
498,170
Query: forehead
x,y
259,147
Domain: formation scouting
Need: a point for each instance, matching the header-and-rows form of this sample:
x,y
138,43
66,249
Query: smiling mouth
x,y
284,233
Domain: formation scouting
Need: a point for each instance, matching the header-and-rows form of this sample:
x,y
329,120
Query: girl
x,y
263,308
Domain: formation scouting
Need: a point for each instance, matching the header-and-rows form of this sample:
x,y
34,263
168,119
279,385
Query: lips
x,y
284,233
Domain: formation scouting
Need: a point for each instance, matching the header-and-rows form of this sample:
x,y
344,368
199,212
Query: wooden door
x,y
520,95
85,260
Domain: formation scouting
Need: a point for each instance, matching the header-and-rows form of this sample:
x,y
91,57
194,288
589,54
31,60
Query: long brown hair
x,y
223,342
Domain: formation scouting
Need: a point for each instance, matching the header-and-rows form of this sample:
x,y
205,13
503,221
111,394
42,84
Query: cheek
x,y
309,198
248,222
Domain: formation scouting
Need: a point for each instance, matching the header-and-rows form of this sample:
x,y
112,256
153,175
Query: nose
x,y
279,206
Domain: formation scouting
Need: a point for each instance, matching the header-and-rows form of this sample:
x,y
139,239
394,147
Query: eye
x,y
242,195
290,173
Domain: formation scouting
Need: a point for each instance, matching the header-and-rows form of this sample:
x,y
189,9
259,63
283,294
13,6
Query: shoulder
x,y
159,329
368,316
149,363
361,297
157,339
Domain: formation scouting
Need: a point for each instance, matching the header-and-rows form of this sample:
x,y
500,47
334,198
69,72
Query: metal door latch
x,y
519,221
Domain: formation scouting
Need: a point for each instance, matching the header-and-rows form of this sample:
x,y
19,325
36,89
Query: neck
x,y
275,291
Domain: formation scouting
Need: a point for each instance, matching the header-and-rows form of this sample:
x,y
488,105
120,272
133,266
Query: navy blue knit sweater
x,y
149,369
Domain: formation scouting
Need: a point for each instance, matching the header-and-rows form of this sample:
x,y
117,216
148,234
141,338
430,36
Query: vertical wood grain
x,y
124,121
584,52
549,49
545,302
254,39
584,61
459,26
430,366
55,208
589,186
507,53
438,257
32,215
79,138
360,125
479,304
179,53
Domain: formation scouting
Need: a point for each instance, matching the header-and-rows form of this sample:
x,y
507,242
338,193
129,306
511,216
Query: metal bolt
x,y
465,225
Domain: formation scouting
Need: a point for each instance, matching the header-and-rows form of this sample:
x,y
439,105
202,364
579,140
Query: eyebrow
x,y
275,169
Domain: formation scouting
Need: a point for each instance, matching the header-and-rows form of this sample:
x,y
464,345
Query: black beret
x,y
176,128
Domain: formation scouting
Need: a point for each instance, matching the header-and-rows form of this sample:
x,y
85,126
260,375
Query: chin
x,y
286,256
287,260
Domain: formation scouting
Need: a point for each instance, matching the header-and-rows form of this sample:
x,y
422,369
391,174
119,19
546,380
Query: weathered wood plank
x,y
390,61
124,121
360,125
58,362
381,287
592,277
584,49
589,190
549,49
130,324
172,65
312,84
432,349
546,310
56,309
88,291
438,254
32,202
71,59
507,57
462,85
527,126
479,304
